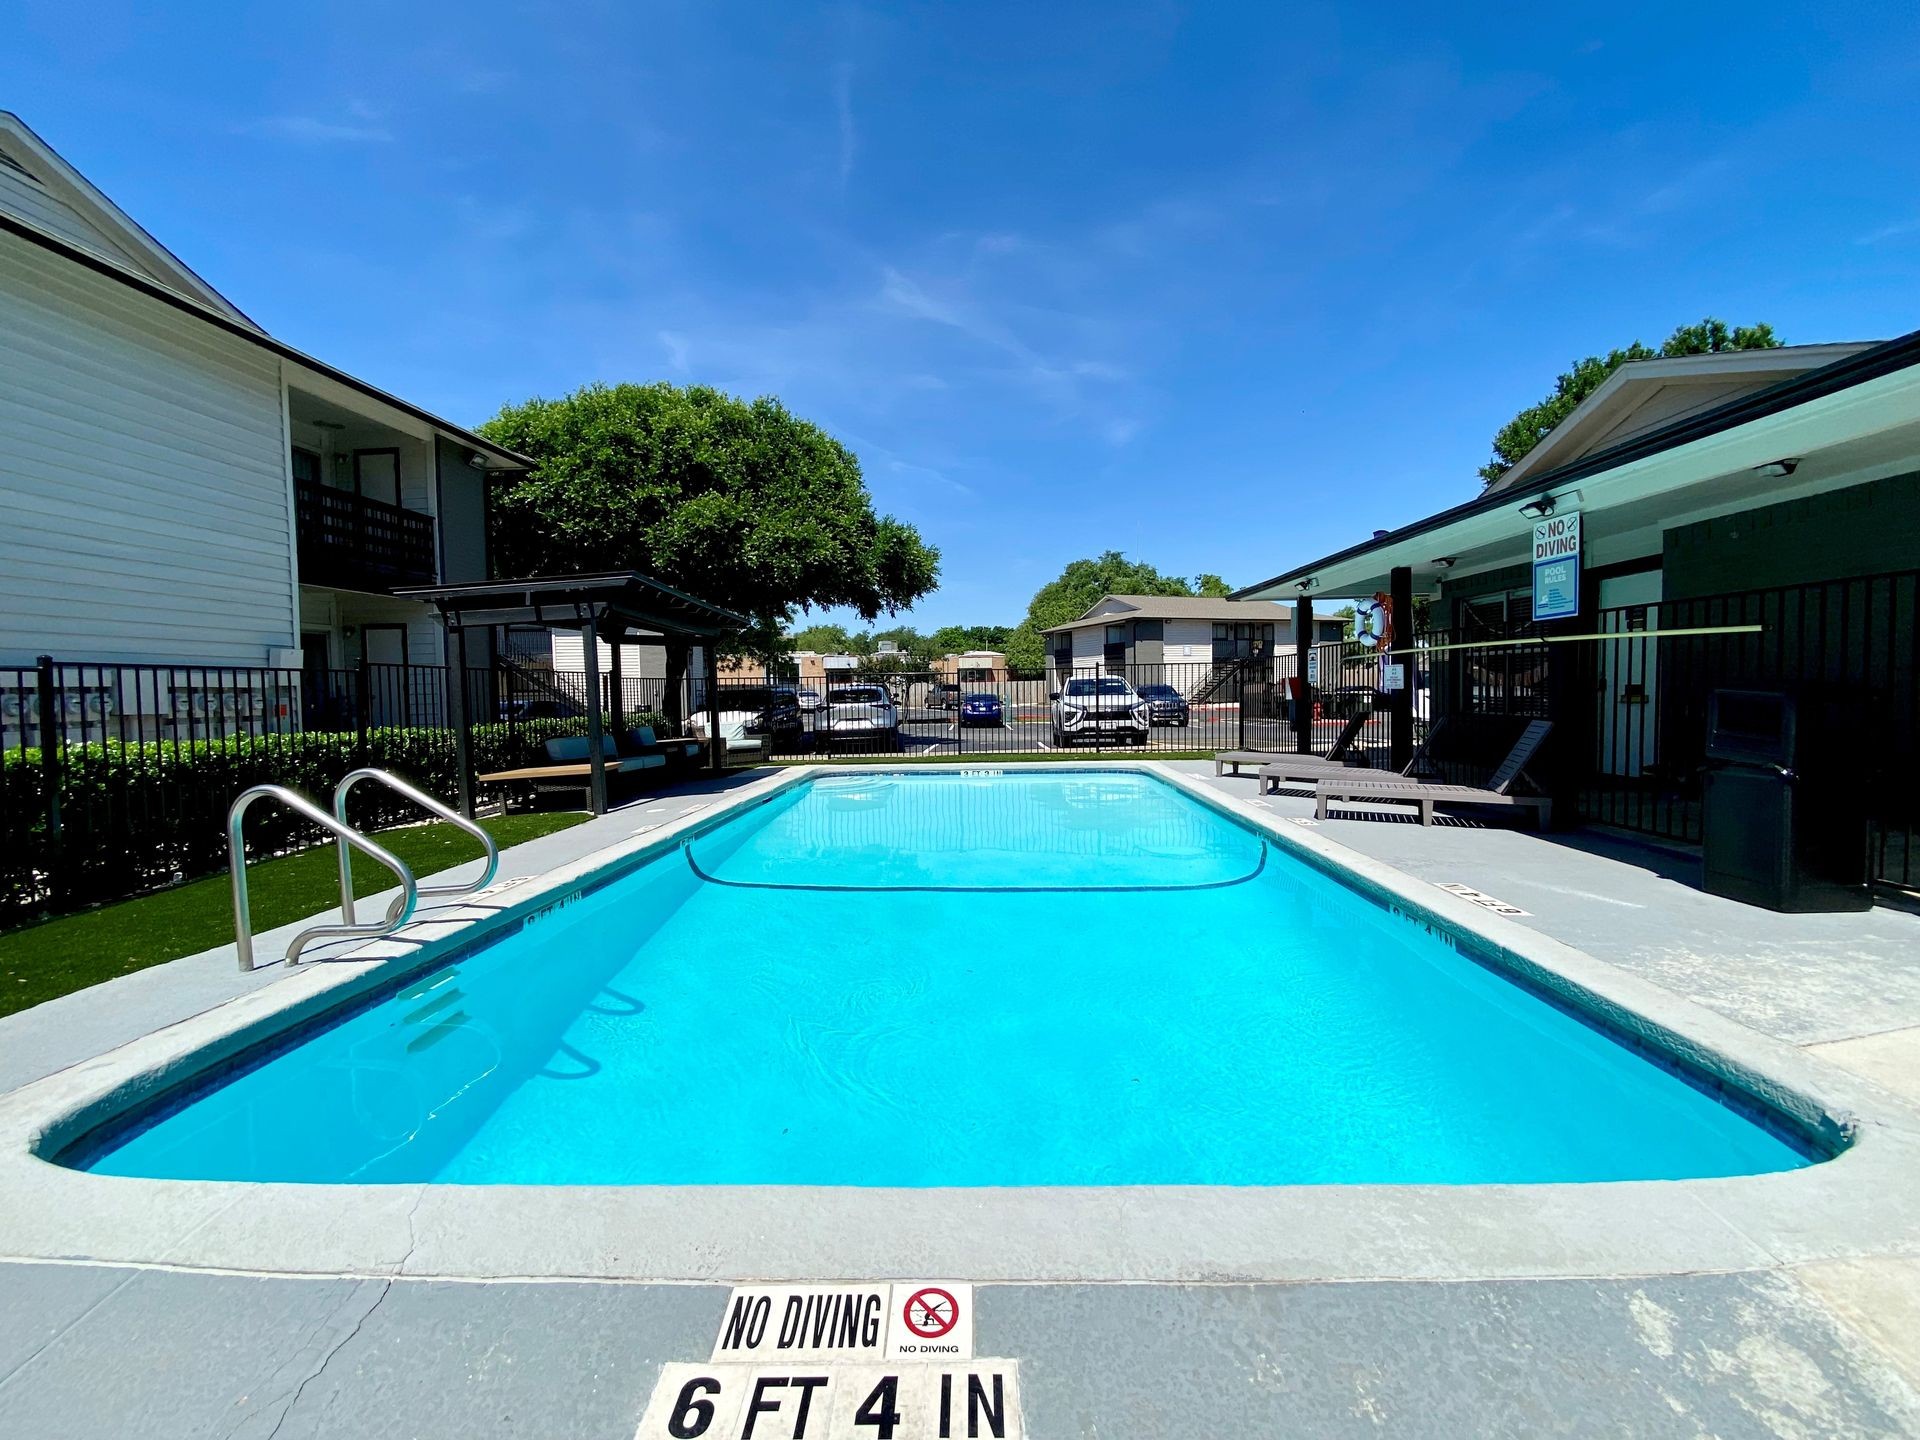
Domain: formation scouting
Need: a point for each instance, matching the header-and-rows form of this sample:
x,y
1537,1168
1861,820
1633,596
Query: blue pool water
x,y
1044,978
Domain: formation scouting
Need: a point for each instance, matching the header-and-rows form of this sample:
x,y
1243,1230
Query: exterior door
x,y
1629,672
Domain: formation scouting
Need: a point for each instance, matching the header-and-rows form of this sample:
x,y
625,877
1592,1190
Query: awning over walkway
x,y
615,606
618,603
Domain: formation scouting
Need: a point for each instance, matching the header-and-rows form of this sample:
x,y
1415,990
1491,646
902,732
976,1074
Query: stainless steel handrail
x,y
425,802
301,805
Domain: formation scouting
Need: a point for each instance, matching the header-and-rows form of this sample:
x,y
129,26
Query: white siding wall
x,y
23,196
143,477
1188,642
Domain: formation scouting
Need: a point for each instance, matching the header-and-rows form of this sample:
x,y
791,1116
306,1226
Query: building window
x,y
1149,630
306,467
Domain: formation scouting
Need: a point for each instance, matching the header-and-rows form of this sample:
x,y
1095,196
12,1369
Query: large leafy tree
x,y
1527,429
958,639
1080,585
738,502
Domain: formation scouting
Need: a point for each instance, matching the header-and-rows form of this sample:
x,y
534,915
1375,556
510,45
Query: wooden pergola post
x,y
596,730
457,712
715,760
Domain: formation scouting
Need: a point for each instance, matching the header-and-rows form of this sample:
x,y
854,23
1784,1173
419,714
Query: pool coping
x,y
1865,1200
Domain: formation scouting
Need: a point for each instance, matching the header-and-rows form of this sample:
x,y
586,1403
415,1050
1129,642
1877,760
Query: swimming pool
x,y
931,978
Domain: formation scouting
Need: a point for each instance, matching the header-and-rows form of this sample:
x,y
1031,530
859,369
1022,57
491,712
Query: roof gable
x,y
1643,395
41,189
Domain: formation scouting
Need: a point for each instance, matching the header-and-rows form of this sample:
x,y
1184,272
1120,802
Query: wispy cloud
x,y
1894,231
1058,381
843,111
675,344
360,127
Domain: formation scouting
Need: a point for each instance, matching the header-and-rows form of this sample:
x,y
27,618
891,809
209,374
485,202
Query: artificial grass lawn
x,y
72,952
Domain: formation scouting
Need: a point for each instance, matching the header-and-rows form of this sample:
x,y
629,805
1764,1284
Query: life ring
x,y
1373,622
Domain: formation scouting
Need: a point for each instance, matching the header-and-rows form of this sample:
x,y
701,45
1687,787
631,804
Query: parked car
x,y
771,710
1165,705
943,697
1103,707
809,698
862,714
982,708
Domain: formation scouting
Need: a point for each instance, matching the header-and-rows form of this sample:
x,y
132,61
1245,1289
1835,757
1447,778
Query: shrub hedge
x,y
139,815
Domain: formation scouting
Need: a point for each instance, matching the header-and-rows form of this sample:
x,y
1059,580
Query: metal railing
x,y
344,537
431,806
347,835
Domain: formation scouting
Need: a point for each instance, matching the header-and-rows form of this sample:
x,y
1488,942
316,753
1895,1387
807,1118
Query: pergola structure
x,y
619,606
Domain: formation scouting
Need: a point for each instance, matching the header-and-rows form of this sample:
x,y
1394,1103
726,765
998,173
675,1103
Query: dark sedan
x,y
982,709
1166,705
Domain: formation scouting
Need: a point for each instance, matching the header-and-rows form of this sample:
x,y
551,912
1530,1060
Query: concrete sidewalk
x,y
1826,1349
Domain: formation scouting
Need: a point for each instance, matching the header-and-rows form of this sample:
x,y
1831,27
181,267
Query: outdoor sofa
x,y
569,768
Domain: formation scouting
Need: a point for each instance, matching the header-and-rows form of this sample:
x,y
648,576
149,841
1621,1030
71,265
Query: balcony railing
x,y
348,540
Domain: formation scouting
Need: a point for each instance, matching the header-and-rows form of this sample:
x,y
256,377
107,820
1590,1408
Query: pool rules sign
x,y
829,1362
1556,567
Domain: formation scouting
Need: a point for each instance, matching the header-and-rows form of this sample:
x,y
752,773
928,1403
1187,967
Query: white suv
x,y
1102,707
864,714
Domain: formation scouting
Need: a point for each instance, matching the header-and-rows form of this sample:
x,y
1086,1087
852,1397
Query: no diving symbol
x,y
931,1313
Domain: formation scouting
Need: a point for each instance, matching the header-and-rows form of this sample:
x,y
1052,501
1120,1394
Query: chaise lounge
x,y
1342,743
1425,795
1311,769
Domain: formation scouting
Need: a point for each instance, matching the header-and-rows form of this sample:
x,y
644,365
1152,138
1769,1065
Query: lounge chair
x,y
734,739
642,741
1425,794
569,767
1342,743
1311,769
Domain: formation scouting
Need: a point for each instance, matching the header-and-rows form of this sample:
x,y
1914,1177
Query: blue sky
x,y
1222,286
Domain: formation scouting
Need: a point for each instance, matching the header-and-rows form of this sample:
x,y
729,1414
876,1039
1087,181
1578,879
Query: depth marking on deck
x,y
1480,898
732,1401
855,1361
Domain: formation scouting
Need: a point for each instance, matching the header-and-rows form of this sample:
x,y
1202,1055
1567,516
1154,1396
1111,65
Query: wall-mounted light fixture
x,y
1538,509
1445,562
1777,469
476,461
1303,586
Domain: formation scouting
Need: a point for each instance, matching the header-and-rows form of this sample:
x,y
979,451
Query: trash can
x,y
1780,828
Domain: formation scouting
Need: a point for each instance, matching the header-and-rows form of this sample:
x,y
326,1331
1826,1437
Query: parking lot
x,y
1028,730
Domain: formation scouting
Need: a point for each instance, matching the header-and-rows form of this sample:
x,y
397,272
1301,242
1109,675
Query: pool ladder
x,y
346,839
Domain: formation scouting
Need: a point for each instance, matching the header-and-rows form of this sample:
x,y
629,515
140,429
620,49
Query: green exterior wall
x,y
1864,530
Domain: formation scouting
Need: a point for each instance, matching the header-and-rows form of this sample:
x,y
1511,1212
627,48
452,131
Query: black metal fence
x,y
94,757
1098,708
1630,708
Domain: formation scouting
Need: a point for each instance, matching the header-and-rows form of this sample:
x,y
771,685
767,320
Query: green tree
x,y
1211,586
738,502
1077,588
958,639
1527,429
821,639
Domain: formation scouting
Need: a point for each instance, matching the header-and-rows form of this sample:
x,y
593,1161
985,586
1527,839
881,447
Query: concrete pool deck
x,y
1759,1305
